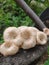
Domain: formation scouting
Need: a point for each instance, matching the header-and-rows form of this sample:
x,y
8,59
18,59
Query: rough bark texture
x,y
24,57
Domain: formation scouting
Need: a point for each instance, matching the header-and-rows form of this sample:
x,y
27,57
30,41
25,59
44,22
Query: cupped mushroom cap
x,y
41,38
12,35
28,36
30,43
46,31
7,49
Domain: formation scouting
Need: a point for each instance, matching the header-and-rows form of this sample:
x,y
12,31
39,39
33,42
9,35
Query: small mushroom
x,y
41,38
46,31
7,49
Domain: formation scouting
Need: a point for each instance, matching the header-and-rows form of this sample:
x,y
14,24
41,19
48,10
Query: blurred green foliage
x,y
12,15
39,5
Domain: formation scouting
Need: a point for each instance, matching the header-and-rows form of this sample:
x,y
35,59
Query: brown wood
x,y
31,13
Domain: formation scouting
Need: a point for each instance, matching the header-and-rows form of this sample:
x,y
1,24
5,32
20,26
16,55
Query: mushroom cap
x,y
28,36
11,34
46,31
34,29
30,43
41,38
8,49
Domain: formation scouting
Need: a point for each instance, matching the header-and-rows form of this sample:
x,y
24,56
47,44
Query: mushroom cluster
x,y
21,37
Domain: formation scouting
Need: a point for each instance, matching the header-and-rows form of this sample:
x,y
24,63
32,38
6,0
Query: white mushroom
x,y
46,31
7,49
41,38
28,36
11,34
34,29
